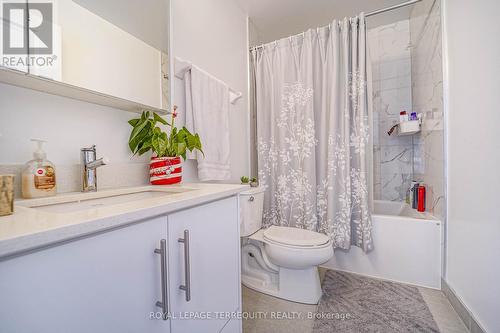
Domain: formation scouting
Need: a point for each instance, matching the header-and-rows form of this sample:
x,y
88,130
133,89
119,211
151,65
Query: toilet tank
x,y
251,207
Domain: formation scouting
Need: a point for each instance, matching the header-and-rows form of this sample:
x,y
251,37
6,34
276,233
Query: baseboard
x,y
463,312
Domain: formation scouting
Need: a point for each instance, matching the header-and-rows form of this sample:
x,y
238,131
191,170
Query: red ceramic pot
x,y
165,170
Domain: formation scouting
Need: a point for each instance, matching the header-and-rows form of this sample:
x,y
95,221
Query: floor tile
x,y
445,316
265,310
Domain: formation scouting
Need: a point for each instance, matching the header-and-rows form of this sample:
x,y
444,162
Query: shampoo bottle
x,y
421,199
39,175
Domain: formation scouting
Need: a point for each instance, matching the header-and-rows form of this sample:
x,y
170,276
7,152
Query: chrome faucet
x,y
89,164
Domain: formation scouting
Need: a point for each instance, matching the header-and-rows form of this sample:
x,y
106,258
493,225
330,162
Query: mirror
x,y
113,47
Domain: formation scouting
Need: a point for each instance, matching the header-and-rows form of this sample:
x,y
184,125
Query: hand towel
x,y
207,113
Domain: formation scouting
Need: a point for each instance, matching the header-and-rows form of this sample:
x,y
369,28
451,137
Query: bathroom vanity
x,y
149,259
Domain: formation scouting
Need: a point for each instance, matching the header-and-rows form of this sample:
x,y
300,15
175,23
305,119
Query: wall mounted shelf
x,y
408,127
25,80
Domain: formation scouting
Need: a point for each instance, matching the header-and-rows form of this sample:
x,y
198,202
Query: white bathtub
x,y
399,209
407,247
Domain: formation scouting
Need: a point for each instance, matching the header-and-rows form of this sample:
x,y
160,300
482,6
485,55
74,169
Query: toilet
x,y
280,261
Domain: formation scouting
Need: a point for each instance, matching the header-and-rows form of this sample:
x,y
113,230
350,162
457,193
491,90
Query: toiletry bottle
x,y
421,198
403,116
411,193
39,175
414,204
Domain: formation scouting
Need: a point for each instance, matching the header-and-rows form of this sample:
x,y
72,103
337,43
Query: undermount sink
x,y
86,201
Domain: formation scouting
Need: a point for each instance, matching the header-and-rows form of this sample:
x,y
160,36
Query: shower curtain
x,y
314,132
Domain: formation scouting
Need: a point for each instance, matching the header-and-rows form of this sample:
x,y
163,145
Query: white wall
x,y
213,35
253,34
473,99
67,125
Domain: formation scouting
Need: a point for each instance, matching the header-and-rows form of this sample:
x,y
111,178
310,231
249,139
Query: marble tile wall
x,y
392,92
427,98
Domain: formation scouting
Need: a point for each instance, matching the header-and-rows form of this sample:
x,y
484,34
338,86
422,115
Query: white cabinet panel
x,y
214,265
105,283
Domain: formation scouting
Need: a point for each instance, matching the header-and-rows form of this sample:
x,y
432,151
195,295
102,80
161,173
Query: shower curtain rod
x,y
383,10
375,12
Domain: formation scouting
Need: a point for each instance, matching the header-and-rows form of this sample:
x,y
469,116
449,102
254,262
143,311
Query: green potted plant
x,y
166,164
254,182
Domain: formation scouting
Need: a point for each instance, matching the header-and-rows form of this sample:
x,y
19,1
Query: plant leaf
x,y
146,136
155,143
138,128
133,122
159,119
197,144
181,149
163,146
145,147
134,143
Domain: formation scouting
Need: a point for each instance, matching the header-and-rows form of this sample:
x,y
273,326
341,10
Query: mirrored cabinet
x,y
112,53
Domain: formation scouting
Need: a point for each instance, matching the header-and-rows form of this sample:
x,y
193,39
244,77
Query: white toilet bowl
x,y
280,261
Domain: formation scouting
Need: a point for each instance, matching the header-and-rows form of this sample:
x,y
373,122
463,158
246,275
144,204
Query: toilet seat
x,y
295,238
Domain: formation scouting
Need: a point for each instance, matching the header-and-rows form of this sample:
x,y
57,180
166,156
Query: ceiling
x,y
274,19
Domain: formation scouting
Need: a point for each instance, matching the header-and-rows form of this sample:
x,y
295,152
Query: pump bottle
x,y
39,175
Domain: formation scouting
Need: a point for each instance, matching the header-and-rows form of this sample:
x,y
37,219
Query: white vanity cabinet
x,y
111,282
105,283
212,253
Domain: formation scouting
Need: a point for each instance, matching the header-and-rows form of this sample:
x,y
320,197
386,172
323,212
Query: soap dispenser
x,y
39,175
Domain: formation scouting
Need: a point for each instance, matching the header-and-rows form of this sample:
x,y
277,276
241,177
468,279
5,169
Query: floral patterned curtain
x,y
314,132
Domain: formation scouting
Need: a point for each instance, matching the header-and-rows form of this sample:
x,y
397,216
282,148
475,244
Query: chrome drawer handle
x,y
187,269
251,198
162,251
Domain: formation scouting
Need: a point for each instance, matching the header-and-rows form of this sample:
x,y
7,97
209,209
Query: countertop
x,y
30,228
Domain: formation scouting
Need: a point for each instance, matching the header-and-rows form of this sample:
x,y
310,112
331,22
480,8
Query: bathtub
x,y
407,247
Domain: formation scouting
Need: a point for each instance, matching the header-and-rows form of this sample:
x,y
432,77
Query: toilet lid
x,y
295,236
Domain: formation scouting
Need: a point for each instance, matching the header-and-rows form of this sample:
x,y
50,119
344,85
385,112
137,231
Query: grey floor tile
x,y
322,272
445,316
262,306
266,309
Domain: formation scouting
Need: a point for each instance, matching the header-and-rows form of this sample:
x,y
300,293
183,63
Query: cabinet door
x,y
214,248
105,283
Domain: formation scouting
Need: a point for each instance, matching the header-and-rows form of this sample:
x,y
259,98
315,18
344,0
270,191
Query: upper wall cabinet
x,y
111,52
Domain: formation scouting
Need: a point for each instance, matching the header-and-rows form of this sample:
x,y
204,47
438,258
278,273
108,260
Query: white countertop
x,y
30,228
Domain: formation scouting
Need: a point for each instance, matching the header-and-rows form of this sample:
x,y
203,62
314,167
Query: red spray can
x,y
421,198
